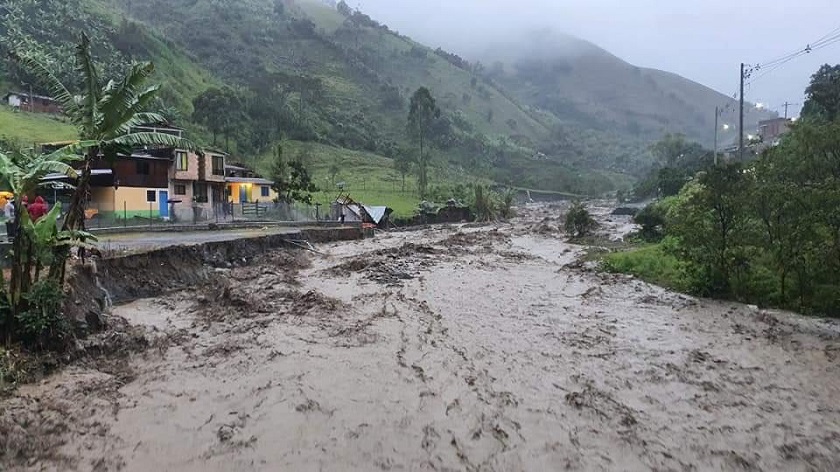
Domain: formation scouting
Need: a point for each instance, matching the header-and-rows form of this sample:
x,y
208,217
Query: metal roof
x,y
56,176
376,213
24,94
248,180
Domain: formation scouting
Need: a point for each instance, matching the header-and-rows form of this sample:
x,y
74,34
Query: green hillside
x,y
303,71
30,128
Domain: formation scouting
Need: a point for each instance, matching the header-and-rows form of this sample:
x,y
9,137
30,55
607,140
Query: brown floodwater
x,y
454,348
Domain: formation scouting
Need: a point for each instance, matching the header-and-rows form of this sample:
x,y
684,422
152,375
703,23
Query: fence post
x,y
125,214
150,213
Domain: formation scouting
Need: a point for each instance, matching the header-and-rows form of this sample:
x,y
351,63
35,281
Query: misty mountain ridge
x,y
577,81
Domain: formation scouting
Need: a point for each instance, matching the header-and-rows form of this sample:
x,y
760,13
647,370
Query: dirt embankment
x,y
152,273
481,348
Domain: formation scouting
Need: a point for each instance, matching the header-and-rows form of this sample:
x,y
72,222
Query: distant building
x,y
771,130
33,103
245,186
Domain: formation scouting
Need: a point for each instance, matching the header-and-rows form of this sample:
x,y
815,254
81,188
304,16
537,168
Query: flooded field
x,y
453,348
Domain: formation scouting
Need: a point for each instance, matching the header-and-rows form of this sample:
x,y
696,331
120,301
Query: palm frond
x,y
138,105
56,89
42,167
72,152
90,82
11,171
134,140
138,119
118,99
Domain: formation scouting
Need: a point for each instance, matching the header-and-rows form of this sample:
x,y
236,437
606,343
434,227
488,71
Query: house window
x,y
181,161
151,196
180,189
264,191
218,165
200,192
143,168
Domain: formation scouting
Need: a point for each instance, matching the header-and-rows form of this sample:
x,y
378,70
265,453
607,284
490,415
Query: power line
x,y
769,67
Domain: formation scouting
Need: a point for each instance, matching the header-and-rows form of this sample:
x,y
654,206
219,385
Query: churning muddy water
x,y
458,348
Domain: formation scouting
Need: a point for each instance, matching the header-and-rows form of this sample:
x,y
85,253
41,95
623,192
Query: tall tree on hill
x,y
421,115
823,94
402,164
292,180
106,116
344,8
220,110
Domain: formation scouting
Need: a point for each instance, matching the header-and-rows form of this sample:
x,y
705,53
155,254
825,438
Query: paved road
x,y
151,240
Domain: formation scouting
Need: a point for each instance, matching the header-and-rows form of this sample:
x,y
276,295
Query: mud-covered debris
x,y
391,266
475,240
306,303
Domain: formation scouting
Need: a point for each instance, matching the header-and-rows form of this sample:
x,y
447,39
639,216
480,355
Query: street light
x,y
725,127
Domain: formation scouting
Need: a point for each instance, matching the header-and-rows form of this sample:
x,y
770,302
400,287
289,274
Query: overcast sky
x,y
703,40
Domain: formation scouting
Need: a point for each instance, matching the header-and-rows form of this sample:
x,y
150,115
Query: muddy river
x,y
456,348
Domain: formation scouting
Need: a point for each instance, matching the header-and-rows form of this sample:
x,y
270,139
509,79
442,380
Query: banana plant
x,y
24,174
106,114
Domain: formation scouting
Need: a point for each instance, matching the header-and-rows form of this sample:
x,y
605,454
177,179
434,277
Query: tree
x,y
107,118
292,180
579,222
421,116
279,171
403,163
673,148
709,220
823,94
220,110
334,170
344,9
652,221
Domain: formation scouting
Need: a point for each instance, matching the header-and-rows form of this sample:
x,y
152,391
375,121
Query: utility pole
x,y
788,104
741,118
717,114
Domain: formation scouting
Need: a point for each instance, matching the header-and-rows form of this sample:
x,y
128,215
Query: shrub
x,y
579,222
42,325
505,203
652,221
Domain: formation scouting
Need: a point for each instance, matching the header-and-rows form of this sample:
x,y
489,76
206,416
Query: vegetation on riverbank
x,y
765,232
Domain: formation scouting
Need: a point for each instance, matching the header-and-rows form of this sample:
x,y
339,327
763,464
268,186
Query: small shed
x,y
355,212
31,102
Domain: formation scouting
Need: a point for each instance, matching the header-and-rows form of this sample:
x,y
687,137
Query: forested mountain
x,y
580,83
262,70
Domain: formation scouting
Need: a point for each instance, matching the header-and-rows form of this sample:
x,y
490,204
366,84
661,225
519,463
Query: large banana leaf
x,y
88,114
153,139
120,99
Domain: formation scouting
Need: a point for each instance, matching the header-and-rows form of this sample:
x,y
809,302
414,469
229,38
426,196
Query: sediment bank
x,y
159,271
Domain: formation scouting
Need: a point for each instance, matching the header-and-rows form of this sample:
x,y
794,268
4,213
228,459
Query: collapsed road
x,y
446,348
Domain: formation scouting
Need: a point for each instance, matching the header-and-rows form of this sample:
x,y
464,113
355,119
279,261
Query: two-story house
x,y
157,182
197,182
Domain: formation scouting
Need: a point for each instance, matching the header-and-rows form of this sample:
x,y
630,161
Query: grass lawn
x,y
368,178
649,263
30,128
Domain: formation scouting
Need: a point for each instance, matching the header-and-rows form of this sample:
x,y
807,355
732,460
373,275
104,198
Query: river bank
x,y
447,348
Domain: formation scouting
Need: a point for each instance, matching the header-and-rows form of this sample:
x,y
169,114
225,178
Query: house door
x,y
243,194
163,202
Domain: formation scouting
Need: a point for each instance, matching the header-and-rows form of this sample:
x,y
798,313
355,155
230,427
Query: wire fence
x,y
106,216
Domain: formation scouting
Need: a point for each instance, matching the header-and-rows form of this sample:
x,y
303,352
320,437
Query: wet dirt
x,y
494,352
